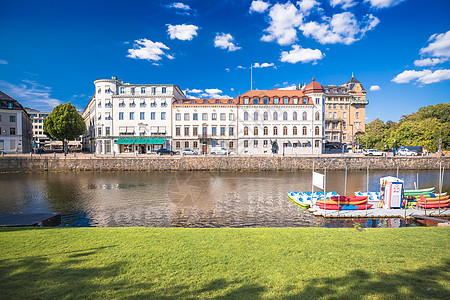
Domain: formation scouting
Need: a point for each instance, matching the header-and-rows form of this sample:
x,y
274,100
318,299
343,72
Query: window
x,y
330,115
255,131
195,130
357,115
255,116
245,130
178,145
255,144
266,116
334,106
122,90
334,115
342,106
186,130
142,116
304,130
230,101
195,144
294,116
205,117
195,116
153,90
107,131
223,117
285,116
317,116
275,100
186,145
265,130
217,102
142,90
266,100
295,100
213,116
132,104
245,100
231,117
99,131
204,130
317,130
178,131
275,116
99,104
131,115
344,125
12,131
317,101
285,100
285,130
344,115
346,106
121,116
245,144
231,145
163,116
344,136
186,117
222,130
335,136
305,100
152,116
265,143
231,131
316,144
304,116
356,106
275,130
255,100
330,106
178,117
333,125
99,91
205,102
294,130
164,90
214,130
12,119
245,116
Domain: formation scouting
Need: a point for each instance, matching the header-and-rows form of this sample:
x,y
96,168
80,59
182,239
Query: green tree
x,y
64,123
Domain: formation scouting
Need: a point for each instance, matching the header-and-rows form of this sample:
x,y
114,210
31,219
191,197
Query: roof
x,y
6,102
205,101
313,87
273,93
353,80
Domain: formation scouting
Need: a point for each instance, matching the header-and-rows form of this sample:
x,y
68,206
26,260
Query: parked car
x,y
372,152
219,150
40,150
189,152
407,152
164,151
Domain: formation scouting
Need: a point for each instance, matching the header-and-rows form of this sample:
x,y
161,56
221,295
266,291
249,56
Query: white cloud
x,y
225,41
375,88
227,69
427,62
182,32
439,46
31,94
146,49
194,91
259,6
343,3
263,65
341,28
298,54
3,62
306,6
213,91
289,88
423,77
383,3
179,5
284,18
241,67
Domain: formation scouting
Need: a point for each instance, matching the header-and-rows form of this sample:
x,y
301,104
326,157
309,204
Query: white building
x,y
282,121
200,124
129,118
40,139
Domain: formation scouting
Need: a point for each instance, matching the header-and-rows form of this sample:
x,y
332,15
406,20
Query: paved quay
x,y
379,213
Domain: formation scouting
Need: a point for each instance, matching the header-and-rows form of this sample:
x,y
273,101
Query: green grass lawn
x,y
251,263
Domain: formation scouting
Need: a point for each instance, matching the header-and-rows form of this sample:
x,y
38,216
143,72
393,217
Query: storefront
x,y
140,145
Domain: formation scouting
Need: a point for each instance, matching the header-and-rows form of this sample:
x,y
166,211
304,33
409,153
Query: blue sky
x,y
52,51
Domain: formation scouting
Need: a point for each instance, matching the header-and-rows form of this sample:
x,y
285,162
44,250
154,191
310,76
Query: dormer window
x,y
192,101
295,100
217,101
266,100
275,100
205,102
305,100
245,100
255,100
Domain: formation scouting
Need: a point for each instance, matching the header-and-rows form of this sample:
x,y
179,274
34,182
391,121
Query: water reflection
x,y
186,199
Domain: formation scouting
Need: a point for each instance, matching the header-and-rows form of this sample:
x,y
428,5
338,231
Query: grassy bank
x,y
257,263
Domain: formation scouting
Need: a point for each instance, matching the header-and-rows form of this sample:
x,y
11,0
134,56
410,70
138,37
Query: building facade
x,y
129,118
40,139
15,126
282,121
345,111
200,124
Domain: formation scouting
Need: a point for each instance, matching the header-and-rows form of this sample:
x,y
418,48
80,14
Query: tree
x,y
64,123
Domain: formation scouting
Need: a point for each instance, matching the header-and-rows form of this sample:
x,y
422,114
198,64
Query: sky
x,y
52,51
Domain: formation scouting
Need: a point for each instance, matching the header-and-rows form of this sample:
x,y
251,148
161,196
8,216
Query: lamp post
x,y
351,125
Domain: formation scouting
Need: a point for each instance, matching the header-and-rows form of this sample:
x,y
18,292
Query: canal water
x,y
188,199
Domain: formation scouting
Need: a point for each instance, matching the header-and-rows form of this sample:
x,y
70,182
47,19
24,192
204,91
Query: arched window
x,y
266,116
245,144
275,130
317,130
255,130
294,130
294,116
245,116
178,145
285,116
255,116
285,130
304,116
186,144
245,130
266,130
304,131
275,116
317,116
317,144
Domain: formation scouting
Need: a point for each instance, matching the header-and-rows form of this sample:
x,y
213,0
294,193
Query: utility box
x,y
391,192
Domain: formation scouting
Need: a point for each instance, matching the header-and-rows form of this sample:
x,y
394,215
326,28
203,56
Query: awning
x,y
125,141
154,129
141,141
142,101
141,129
156,141
130,129
121,101
122,129
162,129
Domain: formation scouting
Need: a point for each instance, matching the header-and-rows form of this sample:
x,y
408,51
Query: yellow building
x,y
345,111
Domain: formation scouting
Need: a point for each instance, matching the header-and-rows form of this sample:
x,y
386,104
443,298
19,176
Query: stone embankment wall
x,y
215,163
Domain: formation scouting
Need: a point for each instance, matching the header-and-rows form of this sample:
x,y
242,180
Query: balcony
x,y
204,136
354,101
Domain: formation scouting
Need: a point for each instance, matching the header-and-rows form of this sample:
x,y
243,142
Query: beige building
x,y
345,111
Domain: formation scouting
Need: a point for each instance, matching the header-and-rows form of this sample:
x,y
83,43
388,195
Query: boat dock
x,y
379,213
21,220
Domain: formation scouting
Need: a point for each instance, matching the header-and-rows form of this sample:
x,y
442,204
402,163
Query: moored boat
x,y
419,192
345,207
349,198
341,202
437,205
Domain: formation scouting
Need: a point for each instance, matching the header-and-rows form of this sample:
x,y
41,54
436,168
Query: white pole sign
x,y
318,180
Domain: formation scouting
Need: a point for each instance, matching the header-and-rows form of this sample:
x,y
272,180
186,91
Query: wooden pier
x,y
380,213
21,220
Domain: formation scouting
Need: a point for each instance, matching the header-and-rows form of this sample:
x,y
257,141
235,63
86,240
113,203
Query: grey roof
x,y
6,101
353,80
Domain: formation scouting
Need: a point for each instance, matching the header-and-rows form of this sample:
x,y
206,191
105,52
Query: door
x,y
205,148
